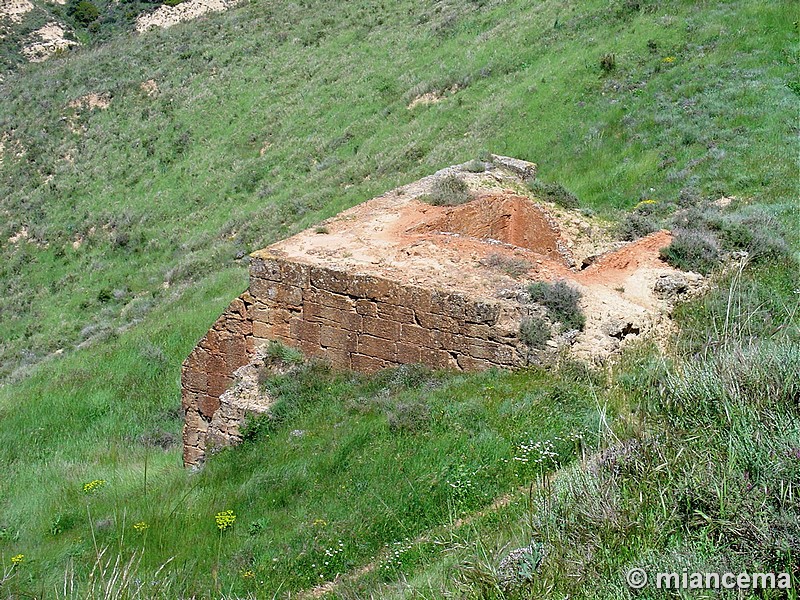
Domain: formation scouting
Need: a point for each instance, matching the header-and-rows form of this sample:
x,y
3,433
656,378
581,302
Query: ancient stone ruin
x,y
398,280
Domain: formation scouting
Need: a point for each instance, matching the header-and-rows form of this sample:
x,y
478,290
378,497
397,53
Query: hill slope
x,y
136,175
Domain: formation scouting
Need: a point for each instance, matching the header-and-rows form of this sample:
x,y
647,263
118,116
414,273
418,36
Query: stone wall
x,y
355,321
365,323
208,371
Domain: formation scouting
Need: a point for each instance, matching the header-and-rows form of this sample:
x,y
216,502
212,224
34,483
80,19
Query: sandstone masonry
x,y
396,280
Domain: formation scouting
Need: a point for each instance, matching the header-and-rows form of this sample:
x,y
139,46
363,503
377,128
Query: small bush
x,y
608,62
561,302
83,11
409,417
636,225
448,191
534,332
553,192
475,166
692,250
758,234
512,266
277,353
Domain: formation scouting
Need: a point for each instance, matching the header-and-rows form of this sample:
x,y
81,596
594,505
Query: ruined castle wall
x,y
208,372
365,323
355,321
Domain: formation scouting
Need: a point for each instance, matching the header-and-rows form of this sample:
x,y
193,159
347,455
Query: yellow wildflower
x,y
225,519
668,59
18,559
93,485
140,526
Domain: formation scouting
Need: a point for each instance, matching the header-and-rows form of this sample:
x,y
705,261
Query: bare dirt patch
x,y
22,234
167,16
150,87
505,218
431,97
14,10
92,101
47,41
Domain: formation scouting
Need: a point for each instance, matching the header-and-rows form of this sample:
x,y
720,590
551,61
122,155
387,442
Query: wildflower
x,y
225,519
646,202
18,559
319,523
668,59
93,485
248,574
141,526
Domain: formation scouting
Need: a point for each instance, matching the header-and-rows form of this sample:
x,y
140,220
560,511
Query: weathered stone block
x,y
438,359
408,353
218,382
208,404
265,268
296,274
329,280
310,348
325,298
334,337
388,291
448,304
317,313
193,455
339,359
468,363
445,340
382,328
377,347
277,292
363,286
195,428
399,314
481,312
479,332
366,308
240,327
304,331
367,364
437,321
493,352
235,352
413,334
414,298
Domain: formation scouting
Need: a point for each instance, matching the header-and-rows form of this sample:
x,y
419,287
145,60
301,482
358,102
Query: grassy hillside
x,y
125,231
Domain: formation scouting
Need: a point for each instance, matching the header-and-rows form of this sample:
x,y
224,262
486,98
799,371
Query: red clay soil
x,y
510,219
641,254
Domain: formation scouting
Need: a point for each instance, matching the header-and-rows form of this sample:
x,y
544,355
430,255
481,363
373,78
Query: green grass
x,y
451,440
272,117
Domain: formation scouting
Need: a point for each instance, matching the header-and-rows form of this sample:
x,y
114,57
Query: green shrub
x,y
534,332
278,353
510,265
608,62
758,234
83,11
561,302
636,225
692,250
553,192
475,166
449,190
409,417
